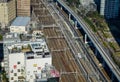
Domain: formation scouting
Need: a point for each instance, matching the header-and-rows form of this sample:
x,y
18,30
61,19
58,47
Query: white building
x,y
28,61
34,67
22,59
20,25
16,67
39,47
8,41
37,34
24,67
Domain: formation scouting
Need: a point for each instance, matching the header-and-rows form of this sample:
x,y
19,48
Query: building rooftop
x,y
21,21
4,1
46,73
11,38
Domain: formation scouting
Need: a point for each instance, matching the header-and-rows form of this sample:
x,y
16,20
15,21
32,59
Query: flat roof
x,y
4,1
21,21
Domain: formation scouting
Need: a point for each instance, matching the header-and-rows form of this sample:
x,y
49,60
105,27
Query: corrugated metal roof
x,y
21,21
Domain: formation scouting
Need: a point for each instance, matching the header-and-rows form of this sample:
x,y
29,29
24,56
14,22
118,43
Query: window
x,y
12,78
11,71
15,74
15,81
18,70
21,77
31,76
18,62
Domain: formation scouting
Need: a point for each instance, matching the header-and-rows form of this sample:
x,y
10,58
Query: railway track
x,y
88,71
78,34
63,60
88,58
111,65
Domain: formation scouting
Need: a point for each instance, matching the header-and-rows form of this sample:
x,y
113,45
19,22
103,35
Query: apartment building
x,y
7,11
24,59
108,8
14,44
23,7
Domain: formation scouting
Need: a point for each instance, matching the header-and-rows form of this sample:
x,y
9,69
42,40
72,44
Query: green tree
x,y
73,2
1,37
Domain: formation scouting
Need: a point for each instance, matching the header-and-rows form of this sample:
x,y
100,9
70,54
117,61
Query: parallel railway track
x,y
86,52
64,61
61,60
106,55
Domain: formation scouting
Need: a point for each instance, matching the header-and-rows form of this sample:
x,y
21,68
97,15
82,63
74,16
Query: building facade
x,y
7,11
24,59
109,8
8,40
16,67
23,7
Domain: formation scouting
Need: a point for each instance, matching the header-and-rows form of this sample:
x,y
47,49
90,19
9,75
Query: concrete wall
x,y
18,29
